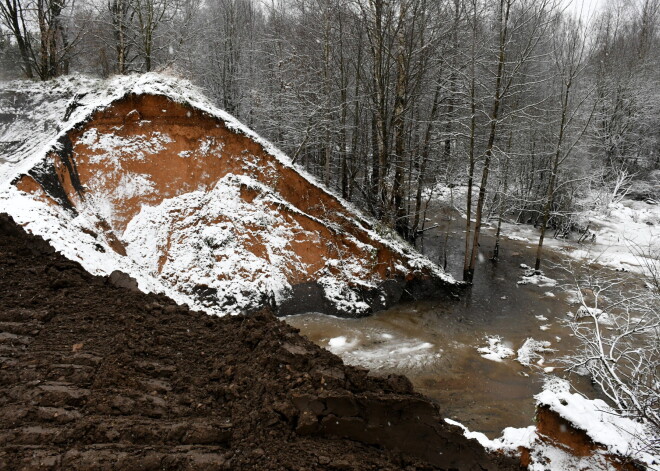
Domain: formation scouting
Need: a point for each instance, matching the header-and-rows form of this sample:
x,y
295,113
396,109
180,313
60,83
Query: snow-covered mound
x,y
142,174
573,432
496,350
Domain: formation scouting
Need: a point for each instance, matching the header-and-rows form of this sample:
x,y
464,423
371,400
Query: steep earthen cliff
x,y
165,187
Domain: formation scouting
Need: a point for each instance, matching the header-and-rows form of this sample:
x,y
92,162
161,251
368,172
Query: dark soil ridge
x,y
97,376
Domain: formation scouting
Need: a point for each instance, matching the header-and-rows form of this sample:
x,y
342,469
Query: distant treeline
x,y
544,109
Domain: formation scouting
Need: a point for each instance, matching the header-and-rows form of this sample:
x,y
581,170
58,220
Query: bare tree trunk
x,y
398,123
553,175
328,111
473,126
502,203
12,15
379,81
343,98
503,21
424,157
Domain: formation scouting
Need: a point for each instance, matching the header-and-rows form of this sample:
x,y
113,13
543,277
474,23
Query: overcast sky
x,y
584,8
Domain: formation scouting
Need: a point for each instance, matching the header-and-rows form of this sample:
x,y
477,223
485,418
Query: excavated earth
x,y
96,375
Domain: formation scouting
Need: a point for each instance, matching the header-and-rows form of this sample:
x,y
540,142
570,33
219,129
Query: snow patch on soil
x,y
620,435
198,244
616,434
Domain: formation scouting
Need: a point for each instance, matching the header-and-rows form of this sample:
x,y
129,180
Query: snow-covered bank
x,y
624,236
577,434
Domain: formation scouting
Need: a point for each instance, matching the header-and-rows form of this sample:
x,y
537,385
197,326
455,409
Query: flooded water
x,y
435,343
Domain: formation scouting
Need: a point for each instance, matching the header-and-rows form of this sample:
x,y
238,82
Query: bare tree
x,y
533,18
13,14
618,329
570,53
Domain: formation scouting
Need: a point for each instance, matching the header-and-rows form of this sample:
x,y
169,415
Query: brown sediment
x,y
94,376
550,424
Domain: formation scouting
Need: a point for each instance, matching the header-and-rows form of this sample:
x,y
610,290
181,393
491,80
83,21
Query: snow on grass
x,y
496,349
531,350
627,237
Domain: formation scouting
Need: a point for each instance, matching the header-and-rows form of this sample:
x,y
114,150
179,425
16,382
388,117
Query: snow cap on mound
x,y
620,435
496,350
510,441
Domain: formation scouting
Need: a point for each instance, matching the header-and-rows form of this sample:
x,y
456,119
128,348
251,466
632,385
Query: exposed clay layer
x,y
146,150
98,377
555,430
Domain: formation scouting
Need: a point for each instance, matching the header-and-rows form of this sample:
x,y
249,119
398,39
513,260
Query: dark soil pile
x,y
98,376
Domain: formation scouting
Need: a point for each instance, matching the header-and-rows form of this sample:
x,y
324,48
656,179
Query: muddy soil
x,y
95,375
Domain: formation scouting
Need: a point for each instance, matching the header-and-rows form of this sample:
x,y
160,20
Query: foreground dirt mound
x,y
98,376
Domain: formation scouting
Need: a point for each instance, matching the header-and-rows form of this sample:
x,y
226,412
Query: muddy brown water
x,y
435,343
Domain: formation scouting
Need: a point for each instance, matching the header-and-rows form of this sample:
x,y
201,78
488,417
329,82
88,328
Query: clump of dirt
x,y
95,375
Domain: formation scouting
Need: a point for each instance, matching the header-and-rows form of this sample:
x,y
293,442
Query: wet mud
x,y
95,375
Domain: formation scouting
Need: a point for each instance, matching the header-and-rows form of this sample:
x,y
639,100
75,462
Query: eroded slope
x,y
186,200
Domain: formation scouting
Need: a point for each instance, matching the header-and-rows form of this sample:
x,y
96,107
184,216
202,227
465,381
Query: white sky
x,y
584,8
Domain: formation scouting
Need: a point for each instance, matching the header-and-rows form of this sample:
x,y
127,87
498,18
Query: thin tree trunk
x,y
553,177
473,126
398,123
426,149
503,19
